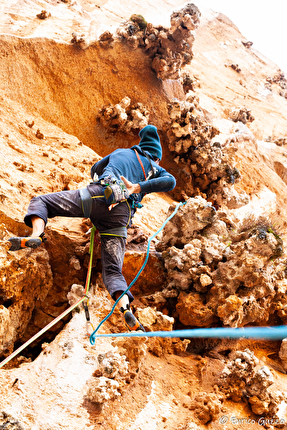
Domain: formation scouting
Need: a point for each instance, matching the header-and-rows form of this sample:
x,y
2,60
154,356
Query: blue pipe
x,y
271,333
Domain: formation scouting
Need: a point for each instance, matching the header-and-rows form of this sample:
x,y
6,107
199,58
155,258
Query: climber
x,y
120,181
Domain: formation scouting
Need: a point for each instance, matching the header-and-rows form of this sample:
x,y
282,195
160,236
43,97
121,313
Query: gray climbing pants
x,y
68,204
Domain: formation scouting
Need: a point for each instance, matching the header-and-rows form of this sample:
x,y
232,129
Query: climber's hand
x,y
132,188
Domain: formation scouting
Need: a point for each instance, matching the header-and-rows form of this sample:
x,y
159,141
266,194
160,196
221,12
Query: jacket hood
x,y
150,141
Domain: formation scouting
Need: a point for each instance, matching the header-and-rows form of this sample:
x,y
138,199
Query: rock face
x,y
124,116
79,80
18,298
207,407
242,377
220,271
241,114
170,49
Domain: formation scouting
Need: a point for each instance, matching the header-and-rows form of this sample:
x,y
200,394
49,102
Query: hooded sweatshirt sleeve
x,y
163,182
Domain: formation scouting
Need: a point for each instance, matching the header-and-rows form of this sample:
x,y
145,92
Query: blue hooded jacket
x,y
124,162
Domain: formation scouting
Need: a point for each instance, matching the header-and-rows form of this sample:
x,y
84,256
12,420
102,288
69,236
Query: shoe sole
x,y
18,243
134,325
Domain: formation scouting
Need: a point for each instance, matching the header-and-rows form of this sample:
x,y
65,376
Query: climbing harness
x,y
118,231
86,200
114,192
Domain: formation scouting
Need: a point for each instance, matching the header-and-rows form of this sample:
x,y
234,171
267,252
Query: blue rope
x,y
93,335
271,333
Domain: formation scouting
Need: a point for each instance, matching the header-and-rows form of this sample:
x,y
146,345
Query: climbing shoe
x,y
25,242
132,322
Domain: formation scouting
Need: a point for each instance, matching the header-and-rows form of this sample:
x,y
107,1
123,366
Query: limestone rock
x,y
223,162
247,44
6,331
264,402
112,365
154,320
241,376
124,116
231,312
147,316
194,216
241,114
207,166
7,421
44,14
106,39
170,49
283,353
75,294
207,407
78,38
101,389
219,273
134,349
19,272
193,312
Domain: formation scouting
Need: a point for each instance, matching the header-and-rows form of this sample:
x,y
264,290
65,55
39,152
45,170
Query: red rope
x,y
140,161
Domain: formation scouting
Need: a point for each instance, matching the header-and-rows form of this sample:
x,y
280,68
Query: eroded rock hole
x,y
7,302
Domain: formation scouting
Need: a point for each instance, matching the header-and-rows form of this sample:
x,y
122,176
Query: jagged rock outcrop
x,y
207,407
279,78
220,272
281,141
134,349
283,353
188,127
241,114
154,320
109,378
280,81
9,422
170,49
235,67
189,83
78,38
106,39
26,279
125,116
44,14
247,44
242,377
102,389
206,163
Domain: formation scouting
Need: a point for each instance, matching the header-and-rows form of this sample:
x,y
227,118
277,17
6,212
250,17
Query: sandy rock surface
x,y
78,79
